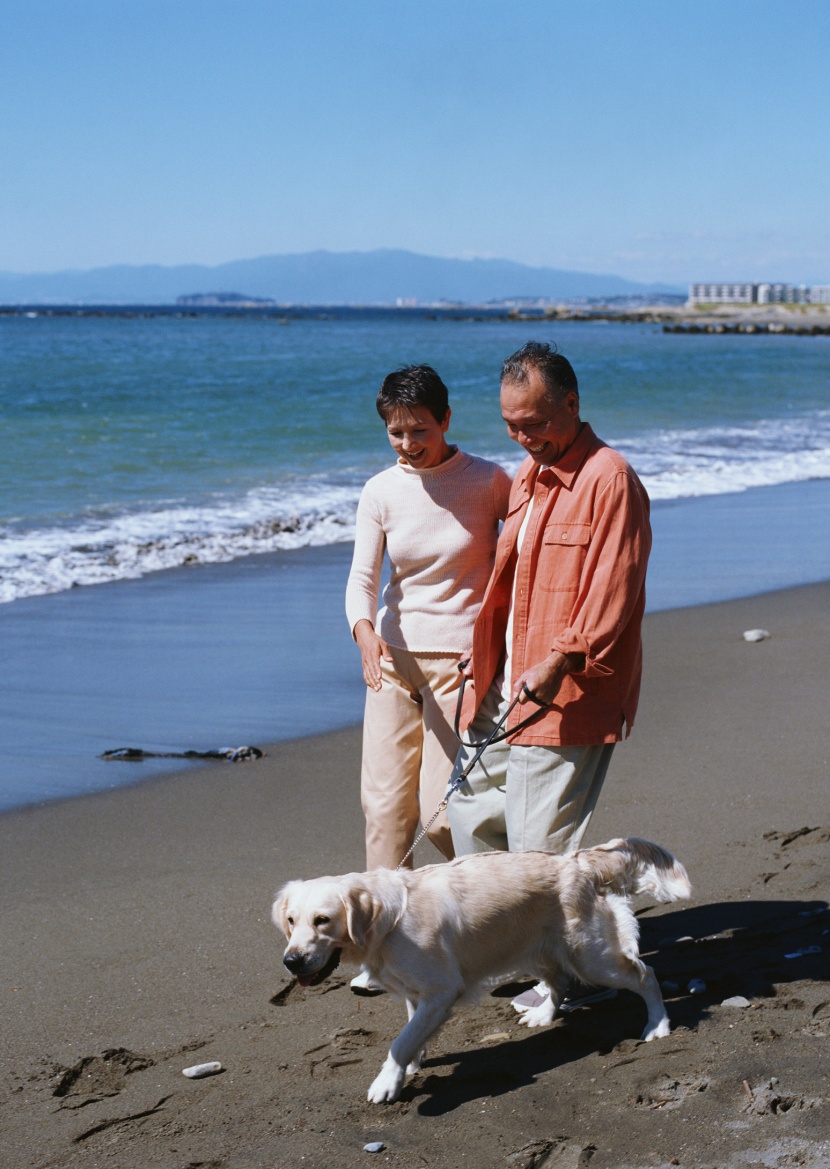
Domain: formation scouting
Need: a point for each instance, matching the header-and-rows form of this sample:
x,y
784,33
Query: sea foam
x,y
120,547
108,545
717,460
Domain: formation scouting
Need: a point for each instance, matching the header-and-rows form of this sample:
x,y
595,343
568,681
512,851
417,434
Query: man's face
x,y
543,429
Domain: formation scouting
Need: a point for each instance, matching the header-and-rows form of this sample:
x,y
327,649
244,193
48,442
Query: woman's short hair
x,y
413,385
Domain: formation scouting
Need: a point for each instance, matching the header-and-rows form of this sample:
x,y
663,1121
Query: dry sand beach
x,y
137,941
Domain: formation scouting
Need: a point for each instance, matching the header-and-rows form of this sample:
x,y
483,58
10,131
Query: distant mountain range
x,y
382,277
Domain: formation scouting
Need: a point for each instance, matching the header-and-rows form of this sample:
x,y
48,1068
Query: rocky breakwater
x,y
801,329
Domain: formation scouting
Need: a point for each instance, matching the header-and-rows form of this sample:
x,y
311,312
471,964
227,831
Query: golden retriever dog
x,y
441,935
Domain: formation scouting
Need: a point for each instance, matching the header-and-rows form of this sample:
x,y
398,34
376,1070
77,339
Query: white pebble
x,y
696,986
664,943
756,634
737,1000
374,1147
202,1069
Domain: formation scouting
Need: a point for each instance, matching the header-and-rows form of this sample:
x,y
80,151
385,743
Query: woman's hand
x,y
372,648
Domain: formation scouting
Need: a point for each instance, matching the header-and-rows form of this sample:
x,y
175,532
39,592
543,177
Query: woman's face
x,y
417,438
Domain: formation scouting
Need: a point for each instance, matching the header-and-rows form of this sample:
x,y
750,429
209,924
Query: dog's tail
x,y
635,866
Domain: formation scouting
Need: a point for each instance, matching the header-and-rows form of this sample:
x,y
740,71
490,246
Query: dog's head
x,y
325,919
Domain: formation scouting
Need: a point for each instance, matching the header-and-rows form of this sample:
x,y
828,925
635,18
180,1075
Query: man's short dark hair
x,y
410,386
554,369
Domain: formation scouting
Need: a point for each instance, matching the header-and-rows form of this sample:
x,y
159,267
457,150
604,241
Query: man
x,y
560,619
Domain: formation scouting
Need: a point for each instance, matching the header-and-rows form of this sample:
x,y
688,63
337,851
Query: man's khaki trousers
x,y
519,798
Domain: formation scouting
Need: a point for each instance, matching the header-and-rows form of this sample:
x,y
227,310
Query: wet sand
x,y
137,941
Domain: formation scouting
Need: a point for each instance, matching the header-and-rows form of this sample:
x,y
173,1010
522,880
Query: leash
x,y
493,737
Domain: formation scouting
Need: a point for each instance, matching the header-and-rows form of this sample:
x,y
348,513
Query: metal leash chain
x,y
481,747
426,828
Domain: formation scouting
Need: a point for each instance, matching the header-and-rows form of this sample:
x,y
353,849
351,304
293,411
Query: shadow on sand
x,y
752,948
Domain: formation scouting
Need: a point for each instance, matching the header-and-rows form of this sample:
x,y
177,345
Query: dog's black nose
x,y
294,962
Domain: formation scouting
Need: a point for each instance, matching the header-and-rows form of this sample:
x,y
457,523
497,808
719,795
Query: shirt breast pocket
x,y
562,555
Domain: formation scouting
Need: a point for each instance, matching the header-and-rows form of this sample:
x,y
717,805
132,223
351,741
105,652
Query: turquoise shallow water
x,y
230,454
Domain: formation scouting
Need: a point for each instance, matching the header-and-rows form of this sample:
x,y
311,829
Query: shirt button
x,y
564,535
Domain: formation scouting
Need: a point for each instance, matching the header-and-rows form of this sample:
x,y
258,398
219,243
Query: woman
x,y
436,513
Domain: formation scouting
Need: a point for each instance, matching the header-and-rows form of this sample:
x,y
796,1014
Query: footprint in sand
x,y
561,1153
344,1049
95,1076
667,1092
770,1099
819,1025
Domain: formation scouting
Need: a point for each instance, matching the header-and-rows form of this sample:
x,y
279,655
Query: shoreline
x,y
161,772
257,650
627,309
772,319
137,925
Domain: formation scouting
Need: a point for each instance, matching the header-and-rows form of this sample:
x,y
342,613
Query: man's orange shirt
x,y
580,588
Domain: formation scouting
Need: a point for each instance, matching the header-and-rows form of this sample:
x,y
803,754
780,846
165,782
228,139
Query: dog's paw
x,y
387,1085
659,1031
541,1016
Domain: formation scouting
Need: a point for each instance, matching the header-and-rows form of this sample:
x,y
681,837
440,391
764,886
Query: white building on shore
x,y
762,293
722,293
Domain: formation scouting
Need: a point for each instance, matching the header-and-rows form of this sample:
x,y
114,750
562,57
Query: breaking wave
x,y
674,464
131,544
110,546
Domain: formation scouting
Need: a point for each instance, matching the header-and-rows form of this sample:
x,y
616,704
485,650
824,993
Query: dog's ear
x,y
279,910
362,911
374,904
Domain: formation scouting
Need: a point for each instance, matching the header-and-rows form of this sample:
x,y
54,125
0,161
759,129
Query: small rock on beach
x,y
756,634
202,1069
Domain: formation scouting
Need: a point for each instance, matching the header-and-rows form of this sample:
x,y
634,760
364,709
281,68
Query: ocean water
x,y
231,452
133,445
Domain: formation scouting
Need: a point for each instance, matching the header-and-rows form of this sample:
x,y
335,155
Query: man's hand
x,y
545,679
372,648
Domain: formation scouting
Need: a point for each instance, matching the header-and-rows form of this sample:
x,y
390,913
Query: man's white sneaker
x,y
580,996
529,999
364,984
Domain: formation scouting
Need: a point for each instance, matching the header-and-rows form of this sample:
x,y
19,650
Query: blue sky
x,y
657,140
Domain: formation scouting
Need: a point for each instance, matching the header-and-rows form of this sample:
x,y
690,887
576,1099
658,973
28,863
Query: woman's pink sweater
x,y
439,526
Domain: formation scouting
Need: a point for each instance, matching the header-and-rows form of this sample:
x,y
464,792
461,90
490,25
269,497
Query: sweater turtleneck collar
x,y
447,467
